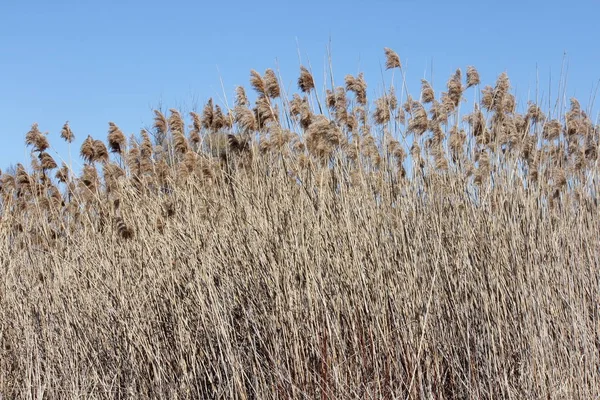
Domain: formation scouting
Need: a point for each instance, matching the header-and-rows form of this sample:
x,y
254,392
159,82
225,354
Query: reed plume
x,y
175,121
116,139
472,77
36,139
195,137
240,97
47,162
322,137
392,60
245,118
180,143
100,151
382,113
87,151
62,175
455,88
358,86
208,113
218,121
272,89
257,82
418,123
306,83
66,133
552,129
161,126
427,93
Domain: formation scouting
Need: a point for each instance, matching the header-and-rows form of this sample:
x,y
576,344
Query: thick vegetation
x,y
314,246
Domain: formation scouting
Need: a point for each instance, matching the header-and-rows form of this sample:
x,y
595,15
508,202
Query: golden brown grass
x,y
293,254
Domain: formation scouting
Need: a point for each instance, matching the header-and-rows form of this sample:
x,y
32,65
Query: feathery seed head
x,y
358,86
472,77
36,139
195,138
208,114
257,83
47,162
100,151
66,133
116,139
418,122
305,82
240,97
175,121
160,124
63,173
535,114
427,93
271,84
87,150
392,60
455,88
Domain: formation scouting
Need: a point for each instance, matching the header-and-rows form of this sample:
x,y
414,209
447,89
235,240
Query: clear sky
x,y
91,62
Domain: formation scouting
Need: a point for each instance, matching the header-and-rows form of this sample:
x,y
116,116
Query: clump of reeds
x,y
386,249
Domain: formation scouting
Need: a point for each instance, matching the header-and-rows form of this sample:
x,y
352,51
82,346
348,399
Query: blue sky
x,y
95,62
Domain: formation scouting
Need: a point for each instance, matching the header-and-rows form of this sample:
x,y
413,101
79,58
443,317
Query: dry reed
x,y
284,253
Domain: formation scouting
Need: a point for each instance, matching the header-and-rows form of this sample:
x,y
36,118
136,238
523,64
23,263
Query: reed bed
x,y
312,245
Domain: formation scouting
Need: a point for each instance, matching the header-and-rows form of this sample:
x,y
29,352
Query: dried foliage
x,y
285,253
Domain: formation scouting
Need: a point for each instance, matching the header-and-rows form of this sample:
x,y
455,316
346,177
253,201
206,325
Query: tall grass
x,y
311,246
